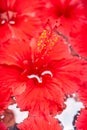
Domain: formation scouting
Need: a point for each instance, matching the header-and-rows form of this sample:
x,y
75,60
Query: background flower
x,y
19,18
66,15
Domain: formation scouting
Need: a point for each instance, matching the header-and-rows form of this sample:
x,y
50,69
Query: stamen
x,y
39,79
47,72
35,76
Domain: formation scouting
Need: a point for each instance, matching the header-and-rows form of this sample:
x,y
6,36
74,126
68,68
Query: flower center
x,y
41,77
8,17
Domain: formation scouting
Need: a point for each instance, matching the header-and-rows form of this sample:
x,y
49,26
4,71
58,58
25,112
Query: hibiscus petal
x,y
40,123
27,25
5,34
10,78
65,72
10,53
79,41
47,99
81,120
5,98
27,6
82,93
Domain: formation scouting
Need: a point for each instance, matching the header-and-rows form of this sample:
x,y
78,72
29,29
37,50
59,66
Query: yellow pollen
x,y
46,39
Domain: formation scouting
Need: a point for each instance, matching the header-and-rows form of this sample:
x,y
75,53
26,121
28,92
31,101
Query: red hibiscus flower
x,y
41,72
82,120
18,18
40,123
66,14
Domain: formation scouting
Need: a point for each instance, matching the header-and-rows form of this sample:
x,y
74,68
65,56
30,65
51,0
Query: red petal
x,y
10,78
10,53
81,120
47,99
28,24
65,72
82,93
40,123
5,33
5,98
27,6
79,41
